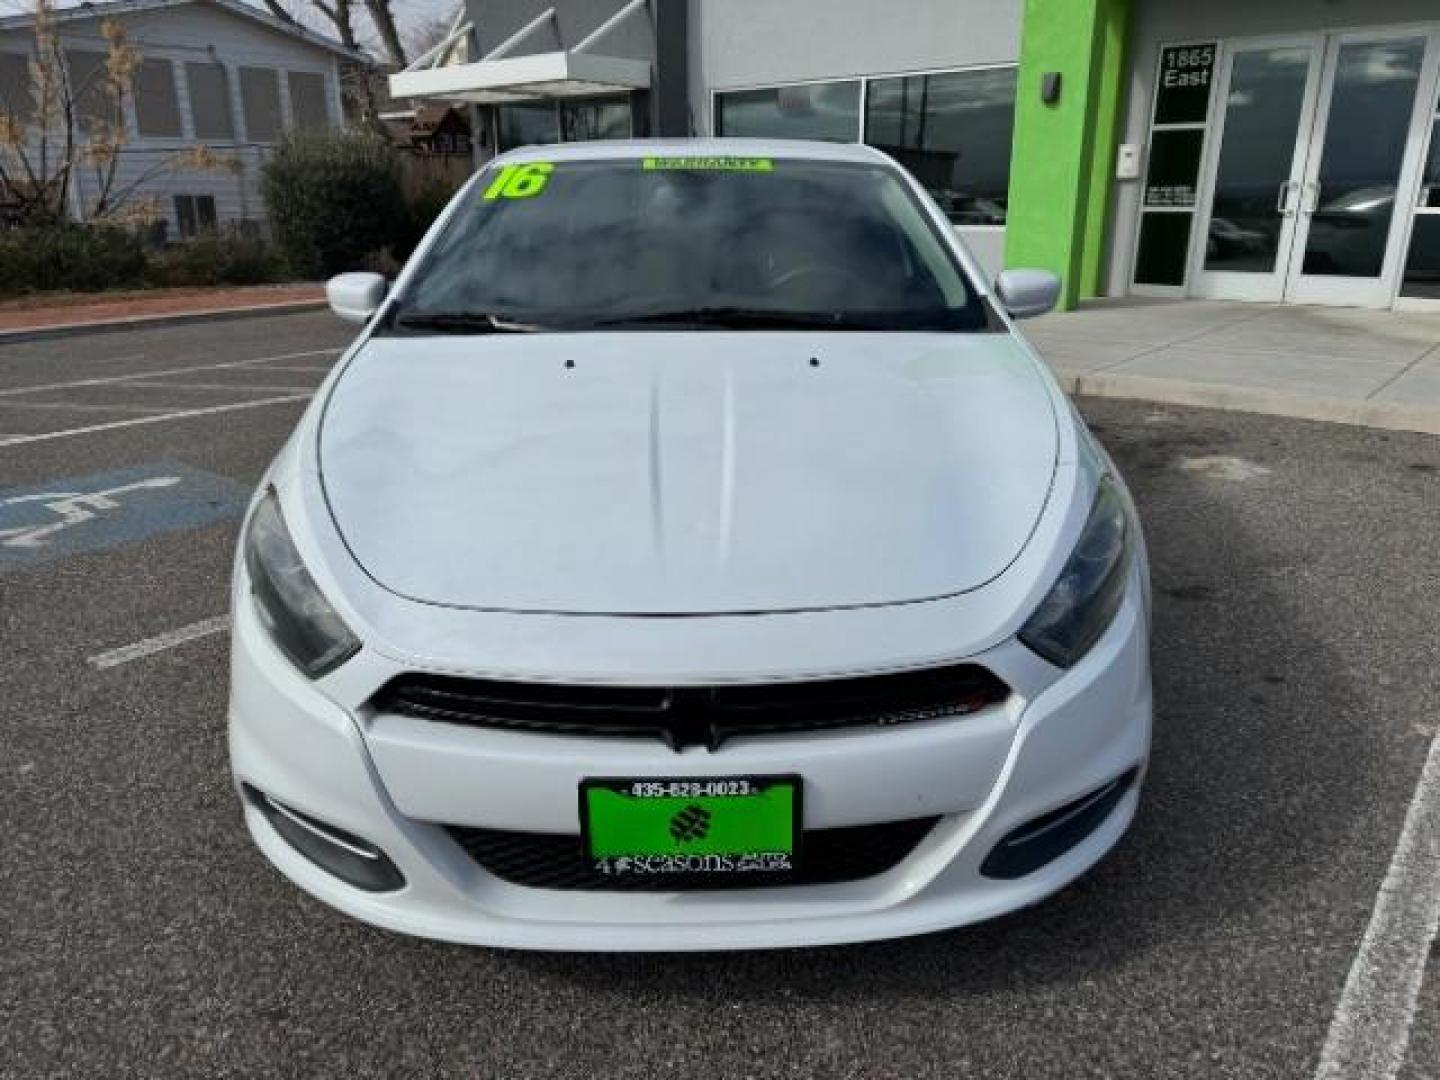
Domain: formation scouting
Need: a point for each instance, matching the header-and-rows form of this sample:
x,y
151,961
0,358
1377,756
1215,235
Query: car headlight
x,y
300,620
1082,603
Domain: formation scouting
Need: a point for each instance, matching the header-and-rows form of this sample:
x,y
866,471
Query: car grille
x,y
828,857
696,716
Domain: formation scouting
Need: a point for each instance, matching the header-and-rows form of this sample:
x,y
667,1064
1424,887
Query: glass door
x,y
1267,104
1420,278
1364,150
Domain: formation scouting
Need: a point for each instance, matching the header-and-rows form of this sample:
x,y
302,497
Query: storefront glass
x,y
954,132
1365,138
526,124
1422,266
952,129
595,118
571,120
1262,117
826,111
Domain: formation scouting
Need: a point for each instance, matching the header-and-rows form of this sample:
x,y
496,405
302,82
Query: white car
x,y
689,554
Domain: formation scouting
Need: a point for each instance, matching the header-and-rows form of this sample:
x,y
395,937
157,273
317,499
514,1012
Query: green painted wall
x,y
1063,158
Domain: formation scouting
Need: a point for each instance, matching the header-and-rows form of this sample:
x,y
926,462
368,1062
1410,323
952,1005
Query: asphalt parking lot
x,y
1297,670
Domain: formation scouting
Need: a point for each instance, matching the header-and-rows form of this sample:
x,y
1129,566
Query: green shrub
x,y
334,198
82,259
218,258
424,207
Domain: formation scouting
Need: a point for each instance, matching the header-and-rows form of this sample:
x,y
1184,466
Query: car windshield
x,y
692,243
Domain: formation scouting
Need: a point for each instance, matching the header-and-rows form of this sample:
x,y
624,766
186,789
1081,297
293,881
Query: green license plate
x,y
729,826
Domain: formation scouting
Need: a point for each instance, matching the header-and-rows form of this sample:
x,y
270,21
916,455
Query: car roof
x,y
620,149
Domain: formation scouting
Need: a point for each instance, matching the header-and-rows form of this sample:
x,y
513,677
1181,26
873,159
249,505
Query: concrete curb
x,y
1250,399
144,322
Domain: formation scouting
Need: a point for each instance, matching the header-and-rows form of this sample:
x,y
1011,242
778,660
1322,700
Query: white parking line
x,y
45,436
1370,1031
150,646
281,367
141,376
71,406
103,359
252,387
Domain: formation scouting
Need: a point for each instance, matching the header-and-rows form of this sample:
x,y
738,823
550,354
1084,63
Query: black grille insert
x,y
554,861
696,716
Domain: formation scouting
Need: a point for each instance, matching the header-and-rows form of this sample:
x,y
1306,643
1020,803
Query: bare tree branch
x,y
339,14
280,12
384,20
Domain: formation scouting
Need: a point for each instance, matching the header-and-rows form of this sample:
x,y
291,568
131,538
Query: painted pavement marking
x,y
183,414
142,376
1370,1031
75,515
138,650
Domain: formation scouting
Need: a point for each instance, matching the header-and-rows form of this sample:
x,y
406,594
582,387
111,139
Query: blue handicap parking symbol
x,y
93,513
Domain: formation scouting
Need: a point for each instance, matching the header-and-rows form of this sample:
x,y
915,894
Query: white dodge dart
x,y
689,554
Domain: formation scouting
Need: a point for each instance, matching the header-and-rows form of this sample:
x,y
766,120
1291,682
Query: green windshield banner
x,y
712,164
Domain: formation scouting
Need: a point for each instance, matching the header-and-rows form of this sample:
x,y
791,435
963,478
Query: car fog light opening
x,y
353,860
1044,839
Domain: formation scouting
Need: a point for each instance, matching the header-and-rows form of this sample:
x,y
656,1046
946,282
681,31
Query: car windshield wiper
x,y
462,322
734,318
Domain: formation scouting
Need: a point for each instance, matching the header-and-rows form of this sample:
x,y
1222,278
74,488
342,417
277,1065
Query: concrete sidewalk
x,y
1376,368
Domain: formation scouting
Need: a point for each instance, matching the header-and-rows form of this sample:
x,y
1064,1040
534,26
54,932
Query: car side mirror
x,y
1027,293
356,297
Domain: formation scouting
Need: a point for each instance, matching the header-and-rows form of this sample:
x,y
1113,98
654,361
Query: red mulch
x,y
65,309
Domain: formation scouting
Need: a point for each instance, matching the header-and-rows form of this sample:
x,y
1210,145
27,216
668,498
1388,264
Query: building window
x,y
260,98
826,111
595,118
307,101
157,109
210,101
15,98
952,129
580,120
93,102
1172,173
527,123
954,132
195,214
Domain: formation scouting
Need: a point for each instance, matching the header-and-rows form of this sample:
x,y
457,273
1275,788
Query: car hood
x,y
687,473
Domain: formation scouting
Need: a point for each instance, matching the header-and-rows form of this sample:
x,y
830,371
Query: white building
x,y
214,72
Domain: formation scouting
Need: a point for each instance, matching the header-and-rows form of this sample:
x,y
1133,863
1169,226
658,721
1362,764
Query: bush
x,y
334,199
70,257
424,207
217,258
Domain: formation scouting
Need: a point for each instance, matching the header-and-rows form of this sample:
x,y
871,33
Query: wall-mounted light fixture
x,y
1050,87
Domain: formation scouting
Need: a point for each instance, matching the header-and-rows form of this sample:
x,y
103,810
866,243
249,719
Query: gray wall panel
x,y
755,42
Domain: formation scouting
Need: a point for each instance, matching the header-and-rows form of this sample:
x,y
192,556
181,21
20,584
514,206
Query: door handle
x,y
1311,200
1283,205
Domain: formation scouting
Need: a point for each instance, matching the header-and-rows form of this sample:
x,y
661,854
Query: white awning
x,y
498,78
525,78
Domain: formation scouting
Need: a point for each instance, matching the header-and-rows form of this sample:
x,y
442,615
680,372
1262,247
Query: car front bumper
x,y
396,783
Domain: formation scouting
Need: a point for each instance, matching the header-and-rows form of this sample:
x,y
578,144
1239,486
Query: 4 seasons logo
x,y
691,823
763,862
